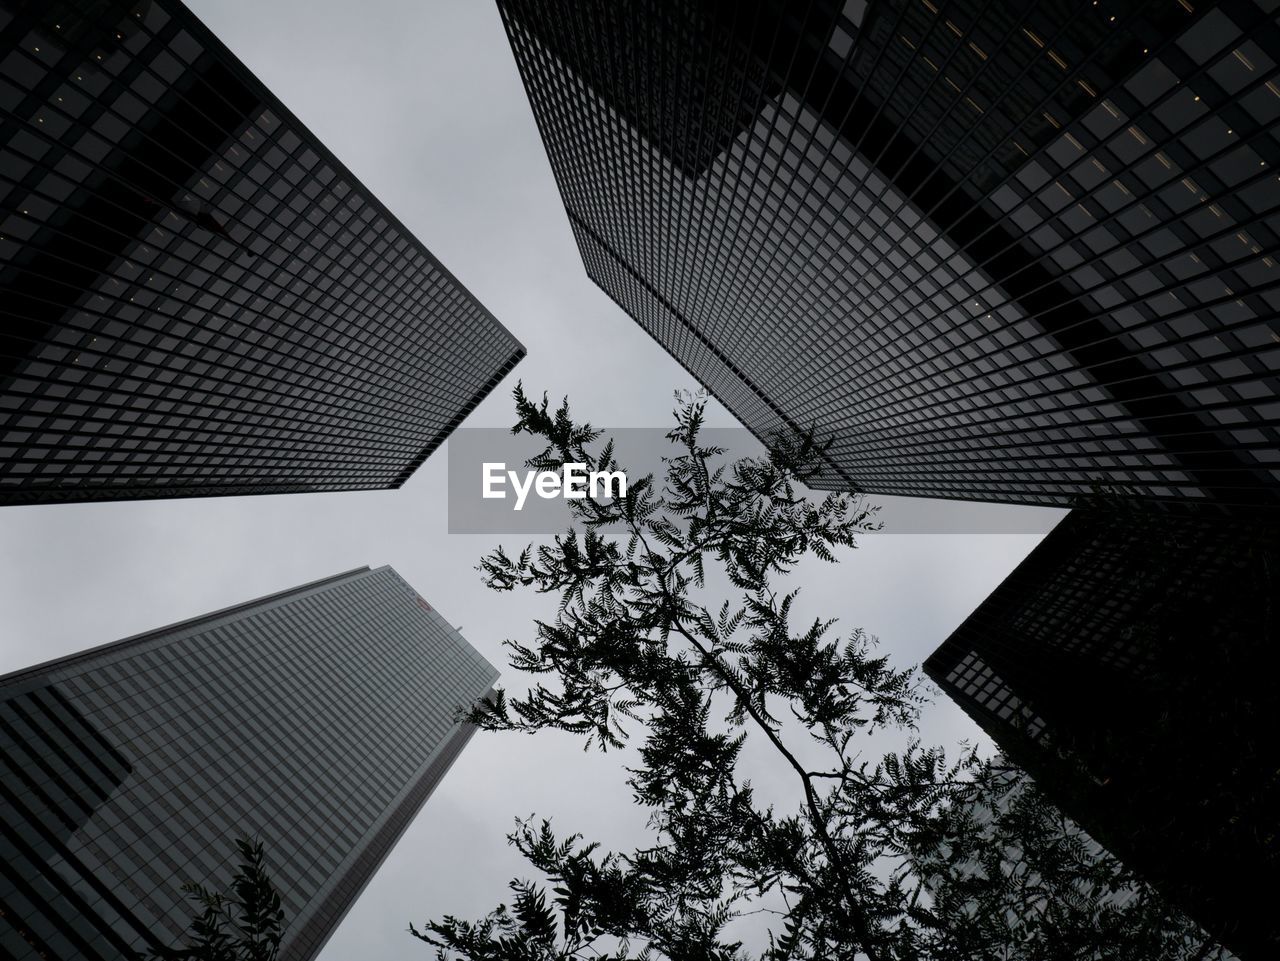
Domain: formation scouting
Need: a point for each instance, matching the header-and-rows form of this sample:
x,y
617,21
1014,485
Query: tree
x,y
914,856
245,923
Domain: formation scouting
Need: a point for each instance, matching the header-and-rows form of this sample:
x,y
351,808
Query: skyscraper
x,y
196,297
1003,252
318,720
1129,664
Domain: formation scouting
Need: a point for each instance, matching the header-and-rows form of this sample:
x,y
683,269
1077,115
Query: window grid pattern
x,y
199,298
317,720
1086,597
974,680
1127,665
991,256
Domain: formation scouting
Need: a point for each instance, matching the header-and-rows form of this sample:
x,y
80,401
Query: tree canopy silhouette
x,y
908,856
244,923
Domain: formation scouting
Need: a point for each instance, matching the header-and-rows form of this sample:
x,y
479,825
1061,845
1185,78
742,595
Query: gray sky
x,y
422,101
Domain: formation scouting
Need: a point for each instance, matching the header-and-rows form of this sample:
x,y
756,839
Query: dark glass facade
x,y
196,297
318,720
1129,664
1005,252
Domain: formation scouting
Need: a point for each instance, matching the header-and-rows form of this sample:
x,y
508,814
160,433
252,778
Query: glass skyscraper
x,y
1129,664
1003,252
317,720
196,297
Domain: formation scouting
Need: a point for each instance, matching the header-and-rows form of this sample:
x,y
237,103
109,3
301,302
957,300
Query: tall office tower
x,y
994,251
196,297
318,720
1129,664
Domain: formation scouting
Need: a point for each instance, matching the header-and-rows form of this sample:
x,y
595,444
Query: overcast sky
x,y
421,99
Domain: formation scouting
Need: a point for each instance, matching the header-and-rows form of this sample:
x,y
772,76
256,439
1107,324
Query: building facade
x,y
997,252
1129,665
196,297
317,720
1003,252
